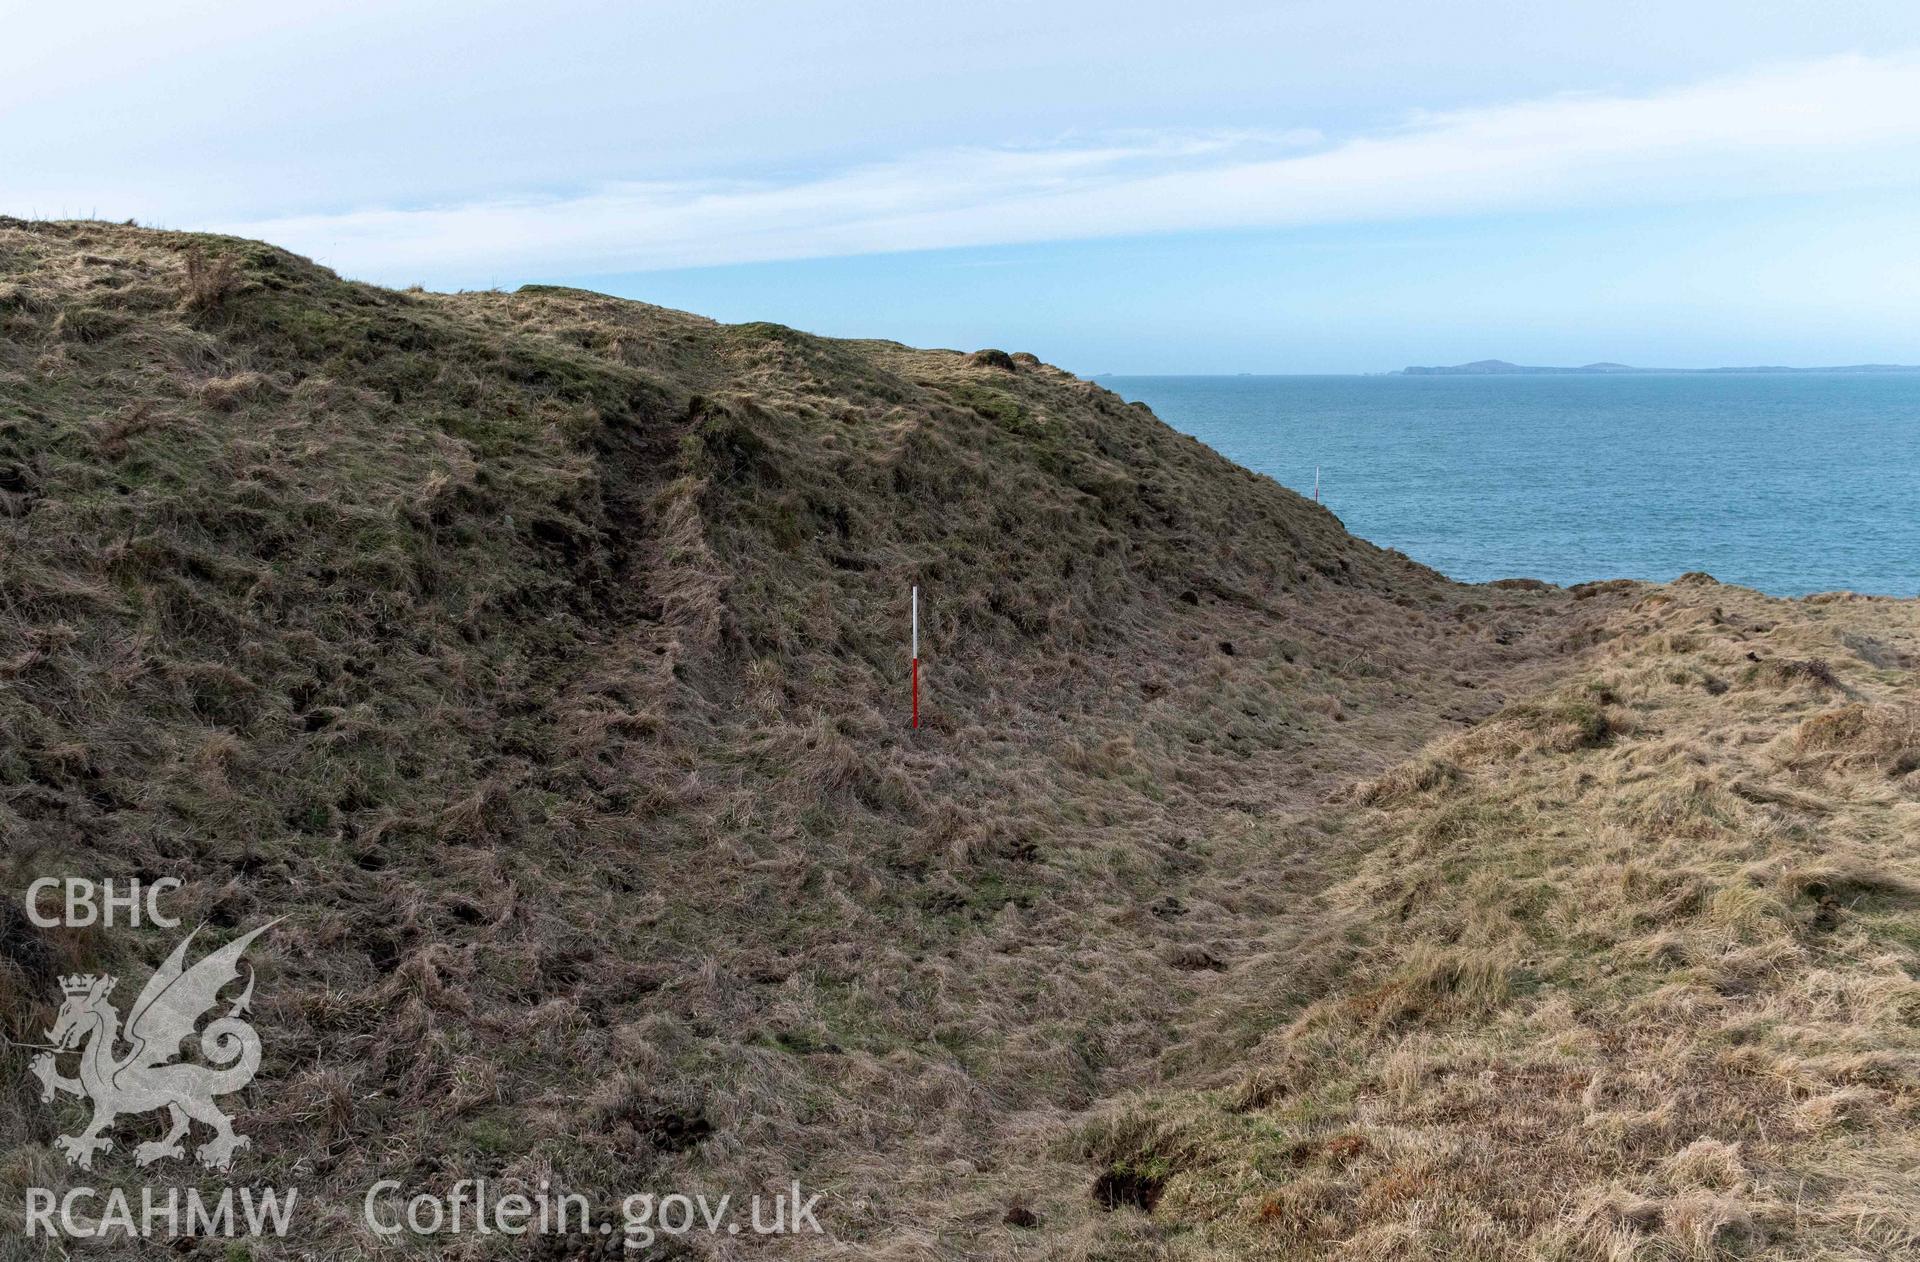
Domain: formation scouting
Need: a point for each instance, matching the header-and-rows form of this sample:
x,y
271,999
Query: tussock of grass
x,y
1855,738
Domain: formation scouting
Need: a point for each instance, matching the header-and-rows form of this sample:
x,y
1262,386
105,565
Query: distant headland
x,y
1501,368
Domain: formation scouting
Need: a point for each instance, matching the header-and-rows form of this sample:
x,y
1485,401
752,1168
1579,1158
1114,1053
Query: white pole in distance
x,y
916,655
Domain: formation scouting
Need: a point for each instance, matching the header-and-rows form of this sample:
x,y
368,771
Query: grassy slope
x,y
542,654
1628,971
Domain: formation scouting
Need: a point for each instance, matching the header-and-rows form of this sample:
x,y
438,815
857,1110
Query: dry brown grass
x,y
1647,996
207,282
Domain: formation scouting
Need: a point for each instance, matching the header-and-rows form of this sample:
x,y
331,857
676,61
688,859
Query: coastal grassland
x,y
1629,970
541,657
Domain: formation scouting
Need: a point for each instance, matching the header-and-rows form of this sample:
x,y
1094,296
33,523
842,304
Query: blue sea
x,y
1788,483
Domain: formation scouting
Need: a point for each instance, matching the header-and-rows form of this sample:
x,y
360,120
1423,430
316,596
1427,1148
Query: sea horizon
x,y
1789,483
1756,371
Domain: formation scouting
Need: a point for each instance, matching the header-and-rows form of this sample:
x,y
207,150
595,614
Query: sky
x,y
1119,188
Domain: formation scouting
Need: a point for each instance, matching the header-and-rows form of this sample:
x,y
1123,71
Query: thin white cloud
x,y
1824,126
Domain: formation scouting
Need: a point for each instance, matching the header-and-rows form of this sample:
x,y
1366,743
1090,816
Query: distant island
x,y
1501,368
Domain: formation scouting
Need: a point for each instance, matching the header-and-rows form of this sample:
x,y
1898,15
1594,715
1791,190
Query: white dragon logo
x,y
148,1076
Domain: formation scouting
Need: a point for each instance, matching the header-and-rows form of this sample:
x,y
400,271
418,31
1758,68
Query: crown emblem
x,y
83,984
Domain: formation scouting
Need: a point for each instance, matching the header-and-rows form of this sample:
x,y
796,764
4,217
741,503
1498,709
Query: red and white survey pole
x,y
916,656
